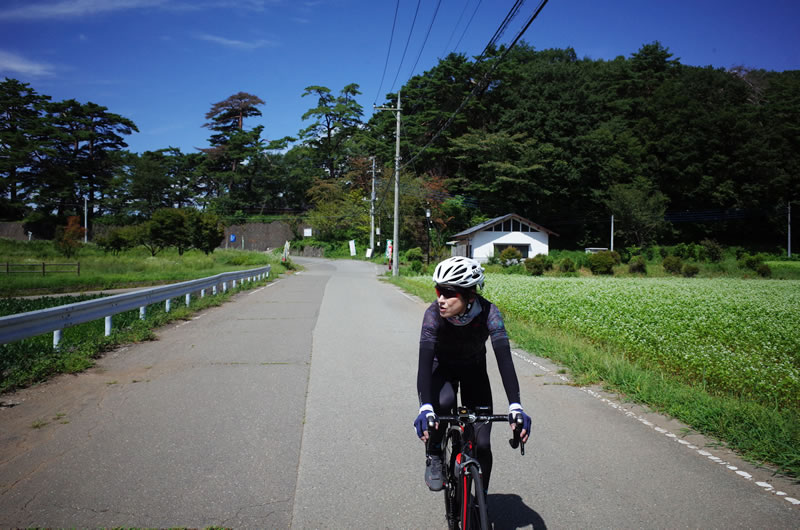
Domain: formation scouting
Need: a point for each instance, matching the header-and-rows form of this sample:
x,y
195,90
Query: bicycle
x,y
464,497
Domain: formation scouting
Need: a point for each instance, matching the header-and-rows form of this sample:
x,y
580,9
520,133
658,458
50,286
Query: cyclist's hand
x,y
426,416
514,411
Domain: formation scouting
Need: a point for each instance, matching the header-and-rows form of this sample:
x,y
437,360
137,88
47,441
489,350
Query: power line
x,y
446,46
503,26
467,26
480,86
388,52
411,31
439,3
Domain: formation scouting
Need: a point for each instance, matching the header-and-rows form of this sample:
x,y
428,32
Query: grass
x,y
32,360
132,268
762,432
28,361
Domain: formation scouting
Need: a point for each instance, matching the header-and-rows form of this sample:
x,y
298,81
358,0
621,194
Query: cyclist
x,y
452,354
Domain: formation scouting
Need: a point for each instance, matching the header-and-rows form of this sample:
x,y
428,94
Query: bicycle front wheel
x,y
473,512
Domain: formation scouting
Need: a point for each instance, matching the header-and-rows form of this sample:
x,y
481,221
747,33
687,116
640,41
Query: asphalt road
x,y
291,406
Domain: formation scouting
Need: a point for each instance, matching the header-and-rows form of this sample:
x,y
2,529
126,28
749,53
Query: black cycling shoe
x,y
433,473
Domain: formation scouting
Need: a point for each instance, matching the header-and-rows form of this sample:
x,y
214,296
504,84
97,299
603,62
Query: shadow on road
x,y
508,511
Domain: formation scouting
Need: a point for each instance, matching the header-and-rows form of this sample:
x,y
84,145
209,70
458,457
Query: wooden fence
x,y
41,268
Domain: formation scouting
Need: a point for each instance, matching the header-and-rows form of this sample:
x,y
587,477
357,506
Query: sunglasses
x,y
447,293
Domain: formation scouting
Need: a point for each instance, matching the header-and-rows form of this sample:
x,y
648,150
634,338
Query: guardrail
x,y
55,319
40,268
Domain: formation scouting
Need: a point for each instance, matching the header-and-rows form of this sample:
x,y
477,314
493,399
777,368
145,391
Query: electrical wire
x,y
388,52
433,19
481,85
512,13
447,46
408,41
467,26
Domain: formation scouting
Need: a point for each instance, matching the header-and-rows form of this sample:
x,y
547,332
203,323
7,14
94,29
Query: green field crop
x,y
729,335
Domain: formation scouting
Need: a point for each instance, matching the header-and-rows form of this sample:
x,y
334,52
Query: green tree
x,y
80,162
206,231
638,210
335,120
22,142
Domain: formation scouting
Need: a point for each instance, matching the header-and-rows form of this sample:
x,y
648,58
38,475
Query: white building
x,y
492,237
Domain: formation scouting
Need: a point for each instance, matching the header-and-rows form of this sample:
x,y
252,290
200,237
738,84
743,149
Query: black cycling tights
x,y
475,392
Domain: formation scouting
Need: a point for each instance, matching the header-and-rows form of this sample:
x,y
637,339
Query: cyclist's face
x,y
451,303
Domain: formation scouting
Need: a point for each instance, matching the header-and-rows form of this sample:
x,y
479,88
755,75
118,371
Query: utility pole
x,y
372,210
612,233
396,240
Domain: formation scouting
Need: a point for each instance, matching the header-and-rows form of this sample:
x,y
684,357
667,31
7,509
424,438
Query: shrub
x,y
750,262
566,265
713,250
68,238
690,271
416,266
764,271
628,253
115,241
510,256
672,264
602,262
414,254
493,260
536,265
637,265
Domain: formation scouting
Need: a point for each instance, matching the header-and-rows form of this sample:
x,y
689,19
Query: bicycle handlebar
x,y
466,416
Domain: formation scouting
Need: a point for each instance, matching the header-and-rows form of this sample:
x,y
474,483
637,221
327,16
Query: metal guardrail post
x,y
56,338
188,299
142,312
108,326
167,305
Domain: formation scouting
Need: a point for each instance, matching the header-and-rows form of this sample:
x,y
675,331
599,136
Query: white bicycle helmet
x,y
459,271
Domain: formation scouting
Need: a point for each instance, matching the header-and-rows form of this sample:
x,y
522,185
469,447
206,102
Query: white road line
x,y
766,486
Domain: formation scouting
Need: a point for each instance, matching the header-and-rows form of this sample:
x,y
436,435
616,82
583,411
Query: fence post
x,y
224,287
202,293
188,299
167,305
56,338
108,326
142,312
214,290
234,284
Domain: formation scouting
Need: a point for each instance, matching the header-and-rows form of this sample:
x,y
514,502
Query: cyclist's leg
x,y
444,391
476,391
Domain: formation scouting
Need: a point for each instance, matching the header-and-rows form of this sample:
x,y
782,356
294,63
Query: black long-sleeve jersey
x,y
463,345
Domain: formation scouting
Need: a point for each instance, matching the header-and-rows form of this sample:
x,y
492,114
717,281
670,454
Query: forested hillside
x,y
674,152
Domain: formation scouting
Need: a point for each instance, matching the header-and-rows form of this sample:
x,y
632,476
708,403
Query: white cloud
x,y
238,44
11,63
73,8
77,8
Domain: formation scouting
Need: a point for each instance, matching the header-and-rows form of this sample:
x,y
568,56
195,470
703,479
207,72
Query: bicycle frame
x,y
464,508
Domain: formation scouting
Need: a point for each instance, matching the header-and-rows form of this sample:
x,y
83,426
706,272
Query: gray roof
x,y
491,222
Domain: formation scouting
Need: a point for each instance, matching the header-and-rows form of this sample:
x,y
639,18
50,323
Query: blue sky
x,y
163,63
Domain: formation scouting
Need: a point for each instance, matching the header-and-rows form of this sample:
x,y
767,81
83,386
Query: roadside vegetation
x,y
106,270
717,352
33,360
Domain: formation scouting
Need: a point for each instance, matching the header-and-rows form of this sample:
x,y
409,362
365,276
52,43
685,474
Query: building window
x,y
523,249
